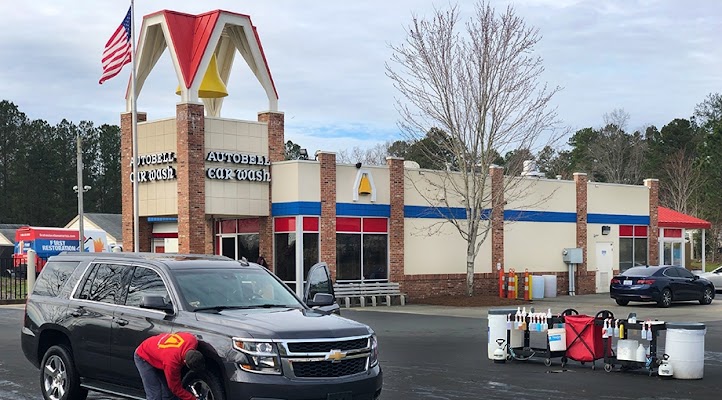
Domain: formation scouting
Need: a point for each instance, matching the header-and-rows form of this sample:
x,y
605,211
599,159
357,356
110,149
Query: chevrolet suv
x,y
89,311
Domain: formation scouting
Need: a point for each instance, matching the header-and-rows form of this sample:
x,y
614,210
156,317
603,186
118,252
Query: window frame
x,y
130,280
363,232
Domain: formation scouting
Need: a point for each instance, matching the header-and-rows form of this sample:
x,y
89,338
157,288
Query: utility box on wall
x,y
573,256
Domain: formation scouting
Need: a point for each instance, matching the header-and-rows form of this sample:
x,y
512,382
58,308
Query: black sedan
x,y
663,285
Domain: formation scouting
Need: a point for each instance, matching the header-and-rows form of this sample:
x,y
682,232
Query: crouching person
x,y
160,360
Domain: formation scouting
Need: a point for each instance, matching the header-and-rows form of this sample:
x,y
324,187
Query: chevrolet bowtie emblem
x,y
335,355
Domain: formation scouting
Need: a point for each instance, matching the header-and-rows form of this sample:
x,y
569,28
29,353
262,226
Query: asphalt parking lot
x,y
441,353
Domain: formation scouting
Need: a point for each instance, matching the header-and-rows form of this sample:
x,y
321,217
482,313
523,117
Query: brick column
x,y
653,241
396,220
126,157
276,153
585,283
328,210
210,236
497,217
190,127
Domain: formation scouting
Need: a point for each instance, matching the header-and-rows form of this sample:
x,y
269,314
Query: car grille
x,y
325,347
328,369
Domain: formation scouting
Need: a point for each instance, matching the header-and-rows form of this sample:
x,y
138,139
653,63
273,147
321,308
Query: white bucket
x,y
557,339
550,285
537,287
685,347
496,329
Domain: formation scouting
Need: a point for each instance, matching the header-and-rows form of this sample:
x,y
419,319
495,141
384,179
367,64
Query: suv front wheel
x,y
206,384
58,378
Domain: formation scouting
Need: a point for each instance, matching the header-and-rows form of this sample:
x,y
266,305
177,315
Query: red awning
x,y
669,218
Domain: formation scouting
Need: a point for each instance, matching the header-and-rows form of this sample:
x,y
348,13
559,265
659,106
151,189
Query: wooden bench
x,y
362,291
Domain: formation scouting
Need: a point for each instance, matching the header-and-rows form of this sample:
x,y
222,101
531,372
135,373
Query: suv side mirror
x,y
156,303
321,300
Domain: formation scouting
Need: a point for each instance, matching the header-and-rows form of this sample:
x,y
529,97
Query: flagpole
x,y
134,109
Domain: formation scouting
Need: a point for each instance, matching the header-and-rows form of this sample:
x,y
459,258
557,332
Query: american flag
x,y
117,51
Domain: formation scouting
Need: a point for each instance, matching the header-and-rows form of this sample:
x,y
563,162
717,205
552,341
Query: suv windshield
x,y
219,289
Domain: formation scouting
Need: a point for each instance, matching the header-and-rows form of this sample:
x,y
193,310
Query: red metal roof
x,y
669,218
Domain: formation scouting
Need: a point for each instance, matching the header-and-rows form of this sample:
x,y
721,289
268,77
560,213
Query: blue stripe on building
x,y
363,210
162,219
619,219
384,210
539,216
296,208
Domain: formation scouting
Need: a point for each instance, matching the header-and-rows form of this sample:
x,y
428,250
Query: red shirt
x,y
167,352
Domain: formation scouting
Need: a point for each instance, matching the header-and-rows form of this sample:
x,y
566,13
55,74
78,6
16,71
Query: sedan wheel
x,y
622,302
665,299
707,296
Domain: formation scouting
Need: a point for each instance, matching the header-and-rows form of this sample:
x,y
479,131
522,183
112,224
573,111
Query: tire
x,y
707,296
665,299
622,302
206,383
59,379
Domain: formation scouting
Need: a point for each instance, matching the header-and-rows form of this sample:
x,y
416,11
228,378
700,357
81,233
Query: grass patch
x,y
710,265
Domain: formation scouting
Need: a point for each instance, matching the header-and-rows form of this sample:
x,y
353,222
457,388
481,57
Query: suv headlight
x,y
374,357
261,356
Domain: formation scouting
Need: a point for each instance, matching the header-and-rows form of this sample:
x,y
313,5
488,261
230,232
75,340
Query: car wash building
x,y
214,185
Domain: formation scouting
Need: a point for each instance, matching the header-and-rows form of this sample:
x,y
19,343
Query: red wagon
x,y
584,337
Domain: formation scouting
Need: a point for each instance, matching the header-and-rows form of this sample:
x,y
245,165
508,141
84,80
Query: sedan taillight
x,y
615,281
645,281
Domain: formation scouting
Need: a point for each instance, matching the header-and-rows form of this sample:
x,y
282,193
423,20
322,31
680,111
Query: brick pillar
x,y
582,284
210,236
653,242
328,210
190,127
126,157
396,220
497,217
276,153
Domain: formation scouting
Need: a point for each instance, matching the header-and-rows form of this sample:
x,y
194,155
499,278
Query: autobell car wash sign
x,y
244,170
163,173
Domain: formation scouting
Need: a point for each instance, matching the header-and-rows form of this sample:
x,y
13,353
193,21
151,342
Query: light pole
x,y
81,230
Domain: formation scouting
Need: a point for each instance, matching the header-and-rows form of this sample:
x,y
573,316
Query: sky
x,y
656,59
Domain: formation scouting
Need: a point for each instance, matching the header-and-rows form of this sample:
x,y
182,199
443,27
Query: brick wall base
x,y
418,287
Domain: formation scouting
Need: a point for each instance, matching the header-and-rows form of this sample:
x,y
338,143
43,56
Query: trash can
x,y
550,285
496,329
537,287
685,347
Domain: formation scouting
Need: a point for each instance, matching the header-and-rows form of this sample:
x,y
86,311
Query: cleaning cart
x,y
552,329
634,351
585,337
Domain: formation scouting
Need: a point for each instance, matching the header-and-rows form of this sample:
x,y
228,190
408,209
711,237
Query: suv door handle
x,y
121,321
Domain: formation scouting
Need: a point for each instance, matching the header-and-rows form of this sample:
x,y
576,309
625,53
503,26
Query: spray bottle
x,y
621,330
616,328
644,331
508,322
605,329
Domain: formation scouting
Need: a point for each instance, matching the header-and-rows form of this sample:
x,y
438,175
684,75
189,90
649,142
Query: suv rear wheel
x,y
58,378
205,384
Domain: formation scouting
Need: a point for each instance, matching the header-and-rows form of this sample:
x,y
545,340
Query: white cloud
x,y
656,59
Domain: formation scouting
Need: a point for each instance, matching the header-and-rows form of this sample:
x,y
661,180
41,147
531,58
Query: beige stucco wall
x,y
345,184
444,252
537,246
422,187
540,194
296,180
233,197
157,198
607,198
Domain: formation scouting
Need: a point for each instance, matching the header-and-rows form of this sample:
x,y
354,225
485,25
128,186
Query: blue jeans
x,y
154,383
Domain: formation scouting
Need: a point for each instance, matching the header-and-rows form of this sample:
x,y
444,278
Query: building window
x,y
238,238
285,247
633,246
361,249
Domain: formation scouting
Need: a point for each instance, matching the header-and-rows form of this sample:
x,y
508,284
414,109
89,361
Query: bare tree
x,y
375,155
616,155
683,179
478,83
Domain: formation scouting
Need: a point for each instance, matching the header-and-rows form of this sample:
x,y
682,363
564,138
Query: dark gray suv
x,y
89,311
